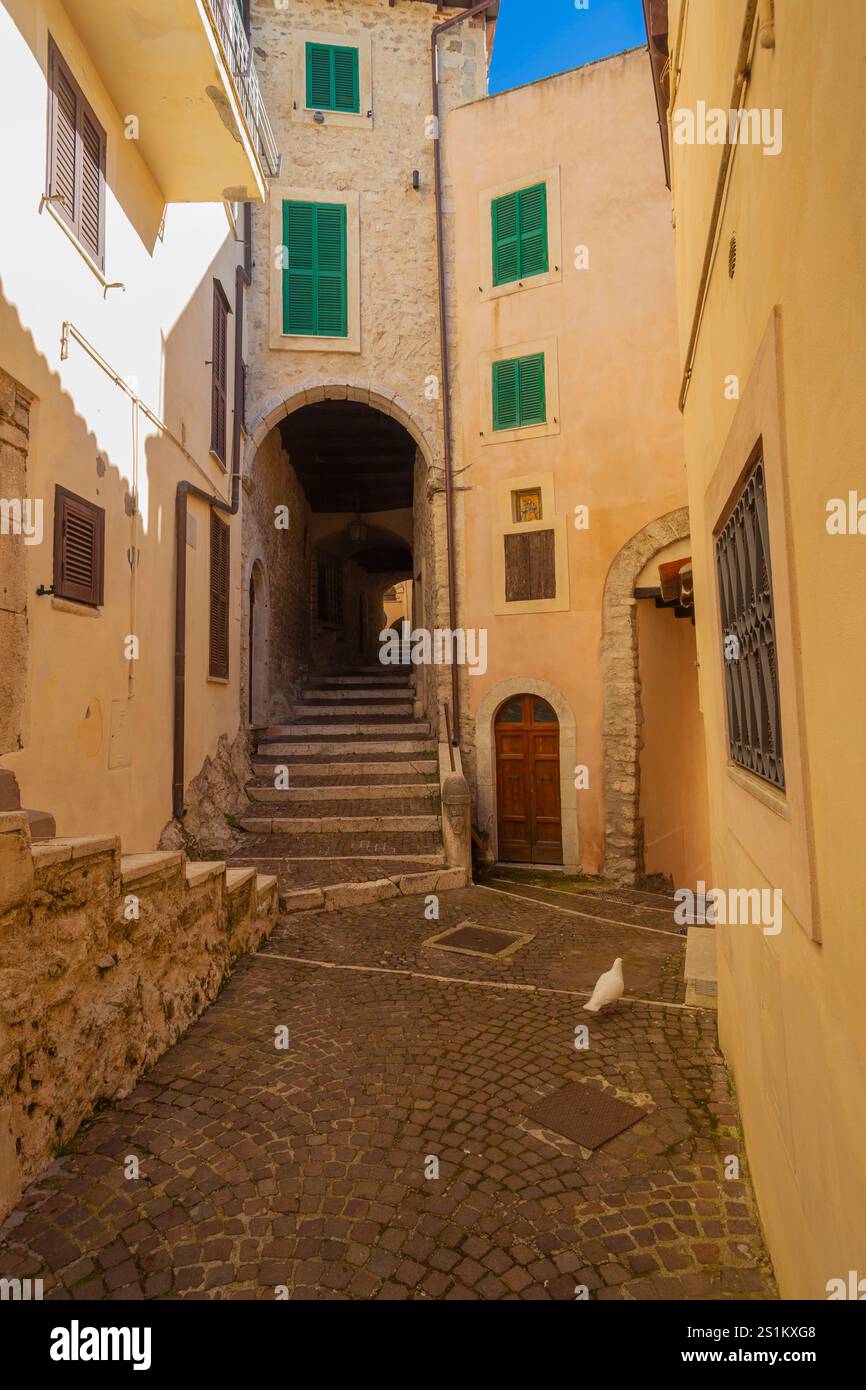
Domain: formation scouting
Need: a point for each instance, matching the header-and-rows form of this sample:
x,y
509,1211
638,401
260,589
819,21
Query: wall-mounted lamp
x,y
358,530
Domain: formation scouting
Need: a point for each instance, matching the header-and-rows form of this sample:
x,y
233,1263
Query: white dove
x,y
608,988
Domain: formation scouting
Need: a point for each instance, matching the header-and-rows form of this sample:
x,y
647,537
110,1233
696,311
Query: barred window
x,y
749,633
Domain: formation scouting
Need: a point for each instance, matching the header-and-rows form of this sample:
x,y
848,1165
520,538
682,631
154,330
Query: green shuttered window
x,y
518,392
332,78
314,279
520,235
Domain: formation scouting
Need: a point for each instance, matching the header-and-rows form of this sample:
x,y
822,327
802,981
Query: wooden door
x,y
527,782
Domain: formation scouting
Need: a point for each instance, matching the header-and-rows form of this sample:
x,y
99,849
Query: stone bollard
x,y
457,823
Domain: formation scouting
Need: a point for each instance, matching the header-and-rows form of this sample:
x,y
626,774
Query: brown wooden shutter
x,y
219,373
79,548
530,566
62,127
91,200
219,597
76,158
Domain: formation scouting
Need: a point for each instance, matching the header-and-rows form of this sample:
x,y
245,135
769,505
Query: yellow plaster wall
x,y
618,449
155,333
791,1007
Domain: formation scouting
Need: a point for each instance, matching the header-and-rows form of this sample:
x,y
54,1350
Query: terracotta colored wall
x,y
619,446
673,776
790,1005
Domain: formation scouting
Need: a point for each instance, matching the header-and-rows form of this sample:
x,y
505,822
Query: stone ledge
x,y
199,871
64,849
265,884
158,861
236,878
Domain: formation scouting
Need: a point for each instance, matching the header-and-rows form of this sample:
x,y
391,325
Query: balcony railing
x,y
229,29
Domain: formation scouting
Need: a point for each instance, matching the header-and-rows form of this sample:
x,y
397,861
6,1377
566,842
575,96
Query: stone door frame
x,y
623,713
485,744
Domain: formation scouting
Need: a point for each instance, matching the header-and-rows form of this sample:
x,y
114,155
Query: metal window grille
x,y
749,634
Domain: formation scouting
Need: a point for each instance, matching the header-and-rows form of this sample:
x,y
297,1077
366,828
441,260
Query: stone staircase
x,y
345,804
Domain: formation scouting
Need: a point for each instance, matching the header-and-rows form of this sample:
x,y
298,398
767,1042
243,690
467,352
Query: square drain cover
x,y
473,940
585,1115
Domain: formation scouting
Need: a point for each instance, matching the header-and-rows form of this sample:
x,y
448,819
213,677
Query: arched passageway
x,y
340,511
654,770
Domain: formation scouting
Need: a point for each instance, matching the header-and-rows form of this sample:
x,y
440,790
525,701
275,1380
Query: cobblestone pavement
x,y
264,1169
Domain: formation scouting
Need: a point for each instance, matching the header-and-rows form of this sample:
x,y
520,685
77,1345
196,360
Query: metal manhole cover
x,y
473,940
585,1115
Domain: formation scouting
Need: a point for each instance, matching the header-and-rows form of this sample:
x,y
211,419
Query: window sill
x,y
529,282
313,342
68,605
762,791
219,680
520,432
212,454
346,120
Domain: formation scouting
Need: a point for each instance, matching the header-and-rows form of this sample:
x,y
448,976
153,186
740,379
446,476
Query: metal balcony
x,y
184,70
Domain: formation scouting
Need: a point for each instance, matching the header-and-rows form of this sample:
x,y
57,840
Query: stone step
x,y
294,872
394,709
305,772
366,695
340,825
270,848
345,682
330,896
374,727
344,748
406,792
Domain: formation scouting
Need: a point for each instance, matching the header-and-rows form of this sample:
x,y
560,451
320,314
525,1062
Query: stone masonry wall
x,y
398,268
90,997
287,559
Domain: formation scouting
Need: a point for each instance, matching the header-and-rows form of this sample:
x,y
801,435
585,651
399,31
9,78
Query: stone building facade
x,y
377,163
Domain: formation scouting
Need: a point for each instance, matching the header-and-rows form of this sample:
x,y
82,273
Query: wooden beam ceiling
x,y
350,457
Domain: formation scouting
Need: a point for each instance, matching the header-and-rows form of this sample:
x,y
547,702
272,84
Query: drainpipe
x,y
185,490
443,341
741,80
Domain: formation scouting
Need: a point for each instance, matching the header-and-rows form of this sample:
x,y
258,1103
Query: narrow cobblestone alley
x,y
269,1172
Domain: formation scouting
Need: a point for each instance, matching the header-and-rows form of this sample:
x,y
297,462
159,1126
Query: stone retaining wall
x,y
91,994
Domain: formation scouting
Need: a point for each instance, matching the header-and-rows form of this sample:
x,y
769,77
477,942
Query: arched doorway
x,y
529,816
258,646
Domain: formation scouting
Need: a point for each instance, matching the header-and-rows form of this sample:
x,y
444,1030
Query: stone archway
x,y
485,743
257,642
277,406
623,842
429,535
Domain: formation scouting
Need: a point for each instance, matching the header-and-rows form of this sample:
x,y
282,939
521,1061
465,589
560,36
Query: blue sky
x,y
535,38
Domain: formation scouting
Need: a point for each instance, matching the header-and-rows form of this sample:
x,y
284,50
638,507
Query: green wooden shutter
x,y
331,271
506,240
533,231
332,77
505,401
520,235
314,279
518,392
530,389
346,93
319,76
299,298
